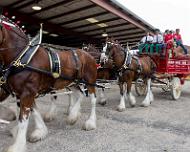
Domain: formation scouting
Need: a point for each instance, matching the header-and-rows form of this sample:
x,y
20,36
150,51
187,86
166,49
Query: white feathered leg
x,y
121,106
74,112
20,139
90,124
51,113
71,103
14,130
149,96
40,130
102,98
132,100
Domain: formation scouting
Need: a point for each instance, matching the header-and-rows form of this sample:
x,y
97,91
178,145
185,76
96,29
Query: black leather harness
x,y
22,63
126,62
55,64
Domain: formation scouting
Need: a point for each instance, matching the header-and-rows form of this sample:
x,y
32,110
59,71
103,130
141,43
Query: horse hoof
x,y
38,135
145,104
48,117
132,105
102,103
72,119
120,109
89,125
16,149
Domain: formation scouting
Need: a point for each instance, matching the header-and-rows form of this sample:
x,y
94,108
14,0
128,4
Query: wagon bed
x,y
171,71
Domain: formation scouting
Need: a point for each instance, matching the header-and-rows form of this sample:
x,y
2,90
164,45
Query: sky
x,y
163,14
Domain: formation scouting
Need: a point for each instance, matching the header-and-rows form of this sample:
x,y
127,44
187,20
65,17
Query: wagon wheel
x,y
140,87
166,88
175,88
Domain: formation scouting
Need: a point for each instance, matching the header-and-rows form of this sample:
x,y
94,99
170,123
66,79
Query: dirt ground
x,y
164,126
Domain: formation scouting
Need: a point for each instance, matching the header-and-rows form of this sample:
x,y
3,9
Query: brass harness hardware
x,y
2,80
18,63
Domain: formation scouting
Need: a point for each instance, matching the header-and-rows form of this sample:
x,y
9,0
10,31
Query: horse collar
x,y
23,59
127,62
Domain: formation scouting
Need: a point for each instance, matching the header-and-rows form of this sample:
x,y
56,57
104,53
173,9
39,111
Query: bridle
x,y
107,49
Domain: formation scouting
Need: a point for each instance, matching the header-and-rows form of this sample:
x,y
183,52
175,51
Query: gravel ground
x,y
164,126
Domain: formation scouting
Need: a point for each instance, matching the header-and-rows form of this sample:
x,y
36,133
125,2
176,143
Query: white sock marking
x,y
20,140
91,122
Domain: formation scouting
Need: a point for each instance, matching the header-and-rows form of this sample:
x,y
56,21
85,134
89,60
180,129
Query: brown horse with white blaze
x,y
142,66
26,83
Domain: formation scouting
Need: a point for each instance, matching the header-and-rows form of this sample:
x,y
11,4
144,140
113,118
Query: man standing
x,y
178,39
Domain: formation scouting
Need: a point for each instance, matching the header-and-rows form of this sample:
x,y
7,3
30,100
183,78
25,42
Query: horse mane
x,y
17,29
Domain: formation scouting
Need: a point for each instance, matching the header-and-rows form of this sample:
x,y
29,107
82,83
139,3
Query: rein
x,y
77,81
2,49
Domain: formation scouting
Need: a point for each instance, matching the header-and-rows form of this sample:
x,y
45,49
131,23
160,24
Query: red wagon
x,y
171,72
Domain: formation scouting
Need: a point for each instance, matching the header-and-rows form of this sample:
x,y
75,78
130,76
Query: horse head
x,y
108,49
12,40
85,47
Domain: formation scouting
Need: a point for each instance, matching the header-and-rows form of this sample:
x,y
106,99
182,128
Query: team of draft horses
x,y
29,70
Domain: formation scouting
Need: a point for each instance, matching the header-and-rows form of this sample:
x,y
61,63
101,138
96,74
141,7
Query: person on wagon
x,y
147,38
178,40
157,41
168,36
145,42
158,38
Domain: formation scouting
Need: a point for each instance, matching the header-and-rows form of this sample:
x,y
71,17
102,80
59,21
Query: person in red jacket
x,y
178,39
168,36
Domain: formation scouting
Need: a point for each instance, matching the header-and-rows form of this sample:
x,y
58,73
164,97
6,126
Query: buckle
x,y
18,63
2,80
55,75
125,66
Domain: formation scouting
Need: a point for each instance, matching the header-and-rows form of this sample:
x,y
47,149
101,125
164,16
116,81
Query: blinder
x,y
108,46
